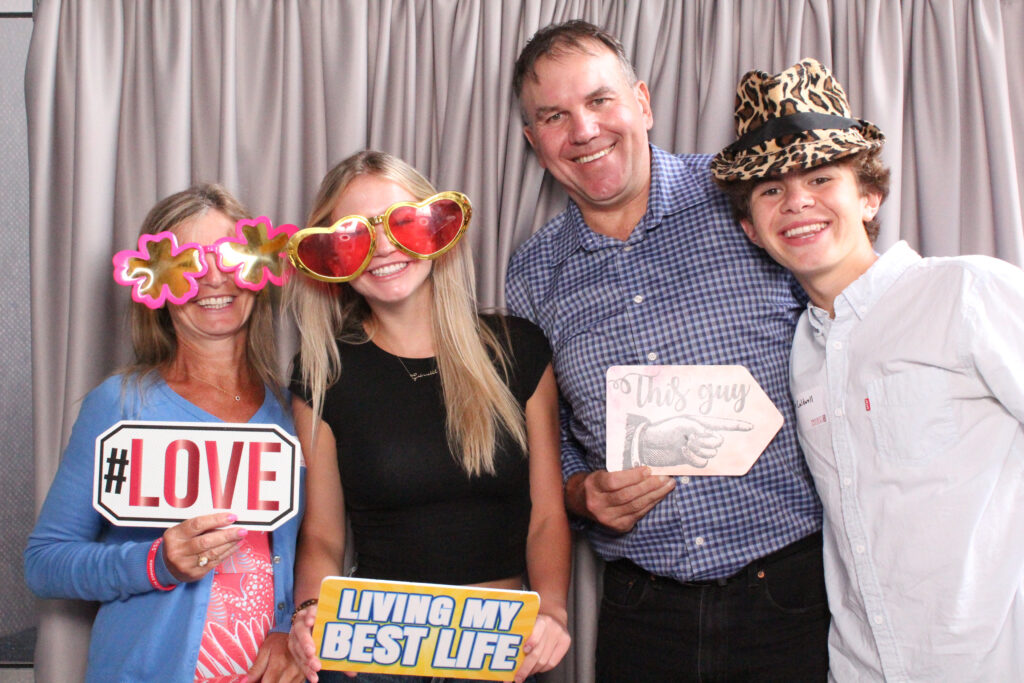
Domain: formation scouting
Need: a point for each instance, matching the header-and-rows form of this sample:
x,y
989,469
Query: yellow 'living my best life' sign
x,y
422,629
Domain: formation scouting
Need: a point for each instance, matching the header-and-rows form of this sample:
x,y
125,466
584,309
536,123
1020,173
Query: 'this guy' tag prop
x,y
422,629
156,474
687,419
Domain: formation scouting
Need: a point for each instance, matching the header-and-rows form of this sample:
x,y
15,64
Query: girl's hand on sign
x,y
274,663
300,642
194,547
545,647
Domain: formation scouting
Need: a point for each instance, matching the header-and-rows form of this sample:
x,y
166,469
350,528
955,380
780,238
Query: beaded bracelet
x,y
151,567
304,605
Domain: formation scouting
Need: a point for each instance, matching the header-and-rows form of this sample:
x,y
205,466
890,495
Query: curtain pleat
x,y
131,100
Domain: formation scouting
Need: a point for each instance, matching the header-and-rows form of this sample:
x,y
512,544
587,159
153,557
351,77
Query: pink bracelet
x,y
151,567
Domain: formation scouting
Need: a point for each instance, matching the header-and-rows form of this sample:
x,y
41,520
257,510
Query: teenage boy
x,y
908,379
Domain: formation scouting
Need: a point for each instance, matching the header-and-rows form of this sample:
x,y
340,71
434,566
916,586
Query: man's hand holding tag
x,y
616,500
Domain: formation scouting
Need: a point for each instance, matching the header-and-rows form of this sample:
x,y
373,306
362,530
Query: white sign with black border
x,y
157,474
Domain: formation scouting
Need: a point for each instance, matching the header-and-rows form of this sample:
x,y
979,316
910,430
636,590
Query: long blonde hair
x,y
153,338
478,401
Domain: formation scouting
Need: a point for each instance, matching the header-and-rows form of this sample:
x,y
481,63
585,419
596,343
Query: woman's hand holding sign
x,y
194,547
300,643
545,647
273,665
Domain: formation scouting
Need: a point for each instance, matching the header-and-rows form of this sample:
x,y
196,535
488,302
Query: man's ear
x,y
643,96
529,138
748,227
872,201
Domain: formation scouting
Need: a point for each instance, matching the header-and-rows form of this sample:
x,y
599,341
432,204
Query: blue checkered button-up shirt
x,y
686,288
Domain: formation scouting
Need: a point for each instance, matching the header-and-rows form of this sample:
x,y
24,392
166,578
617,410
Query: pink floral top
x,y
241,612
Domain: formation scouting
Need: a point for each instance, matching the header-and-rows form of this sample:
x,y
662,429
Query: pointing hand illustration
x,y
683,440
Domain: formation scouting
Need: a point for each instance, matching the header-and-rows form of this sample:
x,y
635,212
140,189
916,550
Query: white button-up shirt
x,y
910,406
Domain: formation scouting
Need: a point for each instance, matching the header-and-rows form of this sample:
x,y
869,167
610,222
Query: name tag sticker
x,y
157,474
810,409
696,420
422,629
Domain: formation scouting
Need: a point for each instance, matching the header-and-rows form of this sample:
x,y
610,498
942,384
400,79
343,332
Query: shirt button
x,y
847,481
838,412
277,559
879,619
638,299
837,345
628,247
280,605
860,548
652,356
699,541
684,480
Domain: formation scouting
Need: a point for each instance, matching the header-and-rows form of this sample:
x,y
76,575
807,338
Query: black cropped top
x,y
414,512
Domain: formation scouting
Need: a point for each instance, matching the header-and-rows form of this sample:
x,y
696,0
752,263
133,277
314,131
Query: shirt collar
x,y
674,187
862,294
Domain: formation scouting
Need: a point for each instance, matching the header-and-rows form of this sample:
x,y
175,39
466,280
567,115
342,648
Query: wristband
x,y
151,567
304,605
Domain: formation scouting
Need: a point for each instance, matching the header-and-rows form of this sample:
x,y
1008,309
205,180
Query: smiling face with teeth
x,y
588,125
392,277
220,309
812,222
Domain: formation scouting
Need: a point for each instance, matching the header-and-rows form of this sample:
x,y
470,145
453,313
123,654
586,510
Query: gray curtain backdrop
x,y
130,100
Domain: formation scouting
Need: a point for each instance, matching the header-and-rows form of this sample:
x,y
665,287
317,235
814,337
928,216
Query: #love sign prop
x,y
422,629
157,474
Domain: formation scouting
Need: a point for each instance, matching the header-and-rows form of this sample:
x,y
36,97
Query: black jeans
x,y
769,622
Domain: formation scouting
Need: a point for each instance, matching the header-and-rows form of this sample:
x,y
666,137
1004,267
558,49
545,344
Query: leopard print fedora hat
x,y
797,119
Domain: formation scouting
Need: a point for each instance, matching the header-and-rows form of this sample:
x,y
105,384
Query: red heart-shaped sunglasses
x,y
341,252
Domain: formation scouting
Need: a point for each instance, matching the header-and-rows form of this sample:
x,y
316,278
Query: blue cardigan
x,y
140,634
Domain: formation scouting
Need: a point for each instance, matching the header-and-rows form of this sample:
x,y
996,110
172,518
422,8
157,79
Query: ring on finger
x,y
203,560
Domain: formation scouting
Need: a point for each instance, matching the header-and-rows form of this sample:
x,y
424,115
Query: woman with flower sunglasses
x,y
430,429
202,600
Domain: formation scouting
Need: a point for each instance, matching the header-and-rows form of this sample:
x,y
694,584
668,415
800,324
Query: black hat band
x,y
792,124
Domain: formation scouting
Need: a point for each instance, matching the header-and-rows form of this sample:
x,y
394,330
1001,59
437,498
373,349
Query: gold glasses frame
x,y
461,200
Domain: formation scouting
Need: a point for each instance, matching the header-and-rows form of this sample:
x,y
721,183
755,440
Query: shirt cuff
x,y
571,466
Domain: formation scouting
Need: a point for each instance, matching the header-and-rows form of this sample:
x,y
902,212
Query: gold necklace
x,y
417,376
381,344
237,397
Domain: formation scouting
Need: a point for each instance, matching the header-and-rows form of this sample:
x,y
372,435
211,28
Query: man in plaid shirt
x,y
706,577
